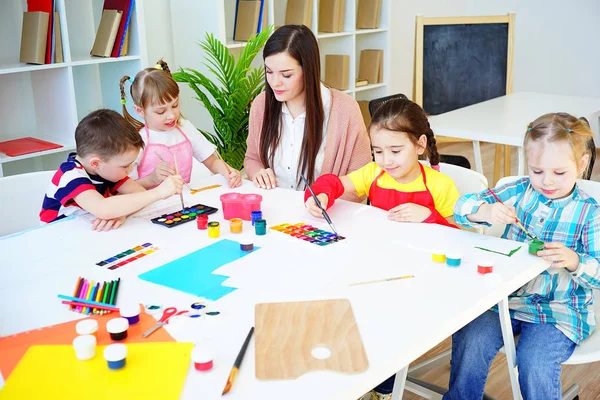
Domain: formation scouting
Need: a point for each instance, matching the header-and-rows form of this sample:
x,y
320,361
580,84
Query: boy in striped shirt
x,y
95,178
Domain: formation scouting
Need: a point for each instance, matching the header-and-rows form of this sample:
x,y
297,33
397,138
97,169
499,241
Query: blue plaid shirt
x,y
556,296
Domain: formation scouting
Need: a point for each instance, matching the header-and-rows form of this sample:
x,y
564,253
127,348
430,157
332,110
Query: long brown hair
x,y
402,115
149,85
300,43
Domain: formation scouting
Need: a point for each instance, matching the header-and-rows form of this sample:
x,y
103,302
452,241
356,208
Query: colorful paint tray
x,y
308,233
186,215
127,256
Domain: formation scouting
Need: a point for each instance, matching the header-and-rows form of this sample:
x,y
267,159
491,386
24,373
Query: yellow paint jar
x,y
214,229
235,225
438,256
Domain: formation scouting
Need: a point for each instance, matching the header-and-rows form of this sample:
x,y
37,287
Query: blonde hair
x,y
558,127
149,86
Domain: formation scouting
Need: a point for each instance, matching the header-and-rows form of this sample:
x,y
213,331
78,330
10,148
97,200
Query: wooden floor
x,y
587,376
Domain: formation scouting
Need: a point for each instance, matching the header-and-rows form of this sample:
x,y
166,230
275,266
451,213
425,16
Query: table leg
x,y
399,383
521,167
477,153
509,347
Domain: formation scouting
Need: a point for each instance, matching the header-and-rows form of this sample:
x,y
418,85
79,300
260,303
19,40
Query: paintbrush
x,y
177,172
314,196
237,363
221,158
383,280
163,160
519,224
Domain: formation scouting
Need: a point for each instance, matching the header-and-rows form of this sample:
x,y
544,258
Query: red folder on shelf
x,y
125,7
17,147
44,6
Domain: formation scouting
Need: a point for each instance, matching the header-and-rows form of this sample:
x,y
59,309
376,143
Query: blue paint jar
x,y
453,260
115,355
255,215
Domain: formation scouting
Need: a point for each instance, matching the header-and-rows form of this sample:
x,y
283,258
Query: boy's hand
x,y
235,178
560,255
409,212
312,207
107,224
265,179
499,213
161,172
170,186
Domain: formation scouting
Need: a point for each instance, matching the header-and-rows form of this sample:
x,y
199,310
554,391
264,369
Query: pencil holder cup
x,y
117,327
87,327
535,246
260,227
115,355
237,205
85,347
214,229
131,312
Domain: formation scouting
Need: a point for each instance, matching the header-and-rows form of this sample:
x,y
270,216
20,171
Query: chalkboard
x,y
462,63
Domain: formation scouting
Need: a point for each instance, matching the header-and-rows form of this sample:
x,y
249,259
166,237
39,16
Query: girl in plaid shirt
x,y
554,312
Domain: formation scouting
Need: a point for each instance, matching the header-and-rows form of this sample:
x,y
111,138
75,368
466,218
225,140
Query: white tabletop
x,y
398,321
504,120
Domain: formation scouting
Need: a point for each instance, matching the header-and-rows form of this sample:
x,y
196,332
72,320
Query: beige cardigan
x,y
347,145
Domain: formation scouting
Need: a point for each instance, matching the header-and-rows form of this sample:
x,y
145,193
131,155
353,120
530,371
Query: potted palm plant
x,y
228,96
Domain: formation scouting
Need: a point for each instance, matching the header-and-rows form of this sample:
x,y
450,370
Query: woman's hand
x,y
265,179
409,212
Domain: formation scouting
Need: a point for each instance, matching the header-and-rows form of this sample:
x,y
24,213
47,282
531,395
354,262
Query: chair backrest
x,y
376,103
21,199
466,180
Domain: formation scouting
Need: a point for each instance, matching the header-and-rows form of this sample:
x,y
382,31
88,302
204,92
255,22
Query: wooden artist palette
x,y
186,215
299,337
309,233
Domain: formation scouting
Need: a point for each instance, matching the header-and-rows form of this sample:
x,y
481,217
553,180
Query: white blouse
x,y
287,155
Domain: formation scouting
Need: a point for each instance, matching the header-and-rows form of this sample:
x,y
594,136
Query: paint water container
x,y
85,347
131,312
117,327
255,215
485,267
202,221
87,327
237,205
535,246
453,259
214,229
235,225
202,358
115,355
260,227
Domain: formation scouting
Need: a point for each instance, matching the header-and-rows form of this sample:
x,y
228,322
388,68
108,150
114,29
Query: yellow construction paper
x,y
152,371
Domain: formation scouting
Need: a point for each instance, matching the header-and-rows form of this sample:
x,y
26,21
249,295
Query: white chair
x,y
21,199
466,180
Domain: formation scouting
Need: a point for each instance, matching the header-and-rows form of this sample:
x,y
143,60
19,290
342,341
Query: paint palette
x,y
127,256
186,215
308,233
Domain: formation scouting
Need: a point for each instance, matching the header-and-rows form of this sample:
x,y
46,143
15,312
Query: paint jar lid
x,y
235,221
245,241
115,352
486,263
86,327
437,250
260,222
213,224
202,216
256,213
84,341
117,325
201,355
129,310
453,256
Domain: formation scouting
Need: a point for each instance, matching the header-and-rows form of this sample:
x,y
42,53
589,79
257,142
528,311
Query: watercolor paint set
x,y
127,256
308,233
186,215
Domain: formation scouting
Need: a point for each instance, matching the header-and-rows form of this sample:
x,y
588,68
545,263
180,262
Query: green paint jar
x,y
260,227
535,246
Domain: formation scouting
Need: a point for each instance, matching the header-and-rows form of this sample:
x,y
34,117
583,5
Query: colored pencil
x,y
77,303
106,292
88,303
97,298
113,297
383,280
101,297
88,296
83,292
237,363
163,160
177,171
516,219
77,289
93,297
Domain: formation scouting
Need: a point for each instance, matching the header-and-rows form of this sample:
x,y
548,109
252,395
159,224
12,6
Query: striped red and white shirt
x,y
70,180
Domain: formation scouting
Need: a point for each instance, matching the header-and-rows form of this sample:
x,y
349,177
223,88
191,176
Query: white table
x,y
504,120
398,321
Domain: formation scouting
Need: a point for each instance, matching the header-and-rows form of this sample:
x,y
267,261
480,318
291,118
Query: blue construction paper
x,y
192,273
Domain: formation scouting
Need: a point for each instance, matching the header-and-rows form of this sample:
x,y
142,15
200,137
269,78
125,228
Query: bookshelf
x,y
191,20
47,101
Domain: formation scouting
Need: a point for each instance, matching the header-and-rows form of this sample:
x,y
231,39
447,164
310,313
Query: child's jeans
x,y
541,350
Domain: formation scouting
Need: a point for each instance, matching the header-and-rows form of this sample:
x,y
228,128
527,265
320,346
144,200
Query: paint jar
x,y
438,256
131,312
115,355
117,327
202,359
237,205
485,267
256,215
85,347
214,229
260,227
87,327
235,225
246,244
202,221
453,259
535,246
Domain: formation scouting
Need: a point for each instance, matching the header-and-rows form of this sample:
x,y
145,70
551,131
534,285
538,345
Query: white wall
x,y
556,42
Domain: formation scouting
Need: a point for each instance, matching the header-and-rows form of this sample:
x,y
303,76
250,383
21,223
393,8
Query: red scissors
x,y
168,313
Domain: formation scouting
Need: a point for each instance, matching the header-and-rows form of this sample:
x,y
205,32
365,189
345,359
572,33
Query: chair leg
x,y
571,393
497,159
507,160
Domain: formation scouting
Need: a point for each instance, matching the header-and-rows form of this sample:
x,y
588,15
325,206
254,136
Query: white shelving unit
x,y
191,19
47,101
